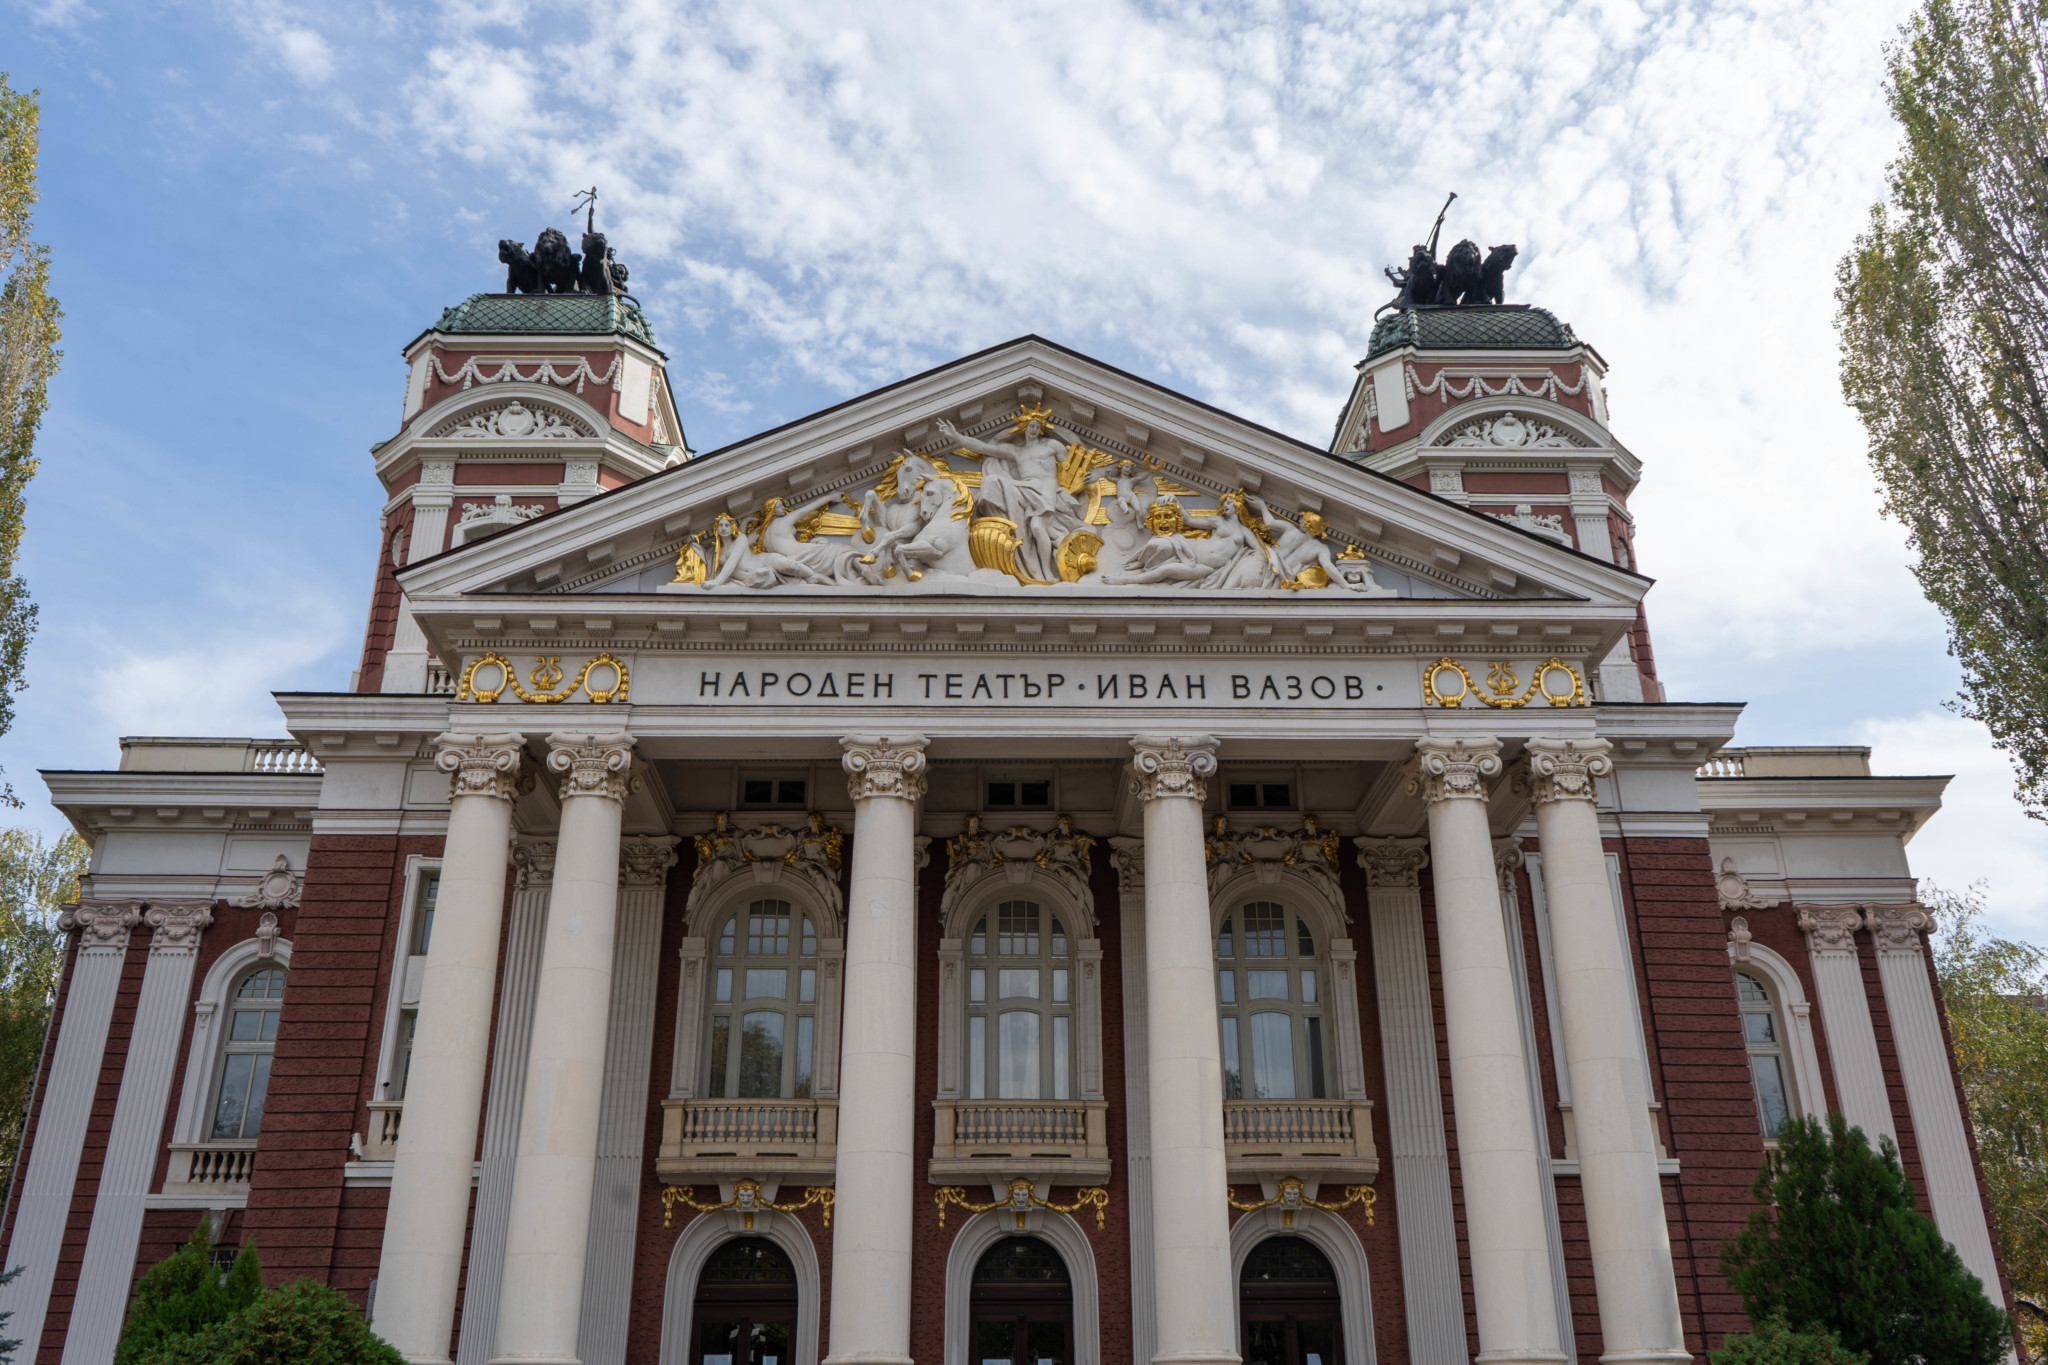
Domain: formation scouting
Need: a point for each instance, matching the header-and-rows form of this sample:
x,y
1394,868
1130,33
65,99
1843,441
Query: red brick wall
x,y
383,623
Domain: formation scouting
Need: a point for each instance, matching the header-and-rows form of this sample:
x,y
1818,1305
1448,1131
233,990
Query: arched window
x,y
1020,1009
1271,993
1289,1305
1764,1035
745,1313
764,1004
1021,1306
243,1077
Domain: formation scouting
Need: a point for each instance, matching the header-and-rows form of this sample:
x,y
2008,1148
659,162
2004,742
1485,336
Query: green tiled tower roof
x,y
1484,328
598,314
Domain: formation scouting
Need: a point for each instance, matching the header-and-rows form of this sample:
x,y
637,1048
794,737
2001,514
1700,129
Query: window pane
x,y
1059,1057
1272,1057
768,929
1002,793
1017,1056
723,990
259,1085
1226,988
725,937
1059,938
761,1056
977,1058
810,939
1304,941
1757,1028
1013,984
789,793
807,985
1275,794
246,1026
1233,1077
234,1095
978,945
1265,930
1312,1031
721,1041
423,925
1770,1093
270,1018
757,792
264,985
1748,987
1265,985
401,1057
1034,793
767,983
977,985
1244,794
802,1089
1223,940
1059,985
1017,929
1308,988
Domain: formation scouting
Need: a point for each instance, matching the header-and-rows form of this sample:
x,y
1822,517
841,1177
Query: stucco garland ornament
x,y
482,764
1452,770
881,765
593,764
1172,765
544,372
1734,891
1563,769
279,889
1061,853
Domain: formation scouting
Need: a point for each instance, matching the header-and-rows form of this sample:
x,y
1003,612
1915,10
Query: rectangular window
x,y
1008,793
722,990
1272,1057
1261,795
1059,985
1312,1033
401,1056
423,922
1013,984
721,1041
1265,985
802,1089
772,791
807,985
767,983
1233,1076
977,1058
977,985
1308,988
1226,988
1059,1058
761,1056
1017,1055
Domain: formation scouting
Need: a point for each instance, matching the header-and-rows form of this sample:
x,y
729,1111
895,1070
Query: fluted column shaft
x,y
1638,1295
1500,1156
547,1238
1192,1284
428,1218
876,1174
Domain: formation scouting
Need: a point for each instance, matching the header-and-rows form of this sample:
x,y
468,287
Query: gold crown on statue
x,y
1027,415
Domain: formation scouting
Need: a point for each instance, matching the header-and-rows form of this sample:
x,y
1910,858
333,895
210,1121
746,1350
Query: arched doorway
x,y
1022,1306
1290,1306
745,1313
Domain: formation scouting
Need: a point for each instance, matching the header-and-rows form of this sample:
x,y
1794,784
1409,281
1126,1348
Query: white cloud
x,y
290,40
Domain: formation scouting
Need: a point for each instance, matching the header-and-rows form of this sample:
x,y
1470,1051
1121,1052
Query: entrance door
x,y
1021,1310
1289,1306
745,1311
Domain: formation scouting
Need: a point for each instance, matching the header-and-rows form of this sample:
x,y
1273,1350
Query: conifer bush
x,y
1836,1244
186,1293
302,1323
1775,1343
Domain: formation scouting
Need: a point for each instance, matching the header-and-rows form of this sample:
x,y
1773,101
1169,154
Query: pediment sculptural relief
x,y
1036,506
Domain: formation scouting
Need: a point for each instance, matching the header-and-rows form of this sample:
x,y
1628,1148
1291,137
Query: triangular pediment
x,y
1025,470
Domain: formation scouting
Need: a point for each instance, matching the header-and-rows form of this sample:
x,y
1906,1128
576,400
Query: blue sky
x,y
253,205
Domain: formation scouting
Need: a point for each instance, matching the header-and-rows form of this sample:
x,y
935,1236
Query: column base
x,y
1532,1356
1648,1355
422,1360
1198,1358
858,1358
536,1360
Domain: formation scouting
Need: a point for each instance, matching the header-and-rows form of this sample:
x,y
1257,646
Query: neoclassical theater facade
x,y
1021,866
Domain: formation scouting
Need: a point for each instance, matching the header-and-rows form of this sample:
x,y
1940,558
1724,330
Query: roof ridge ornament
x,y
551,268
1464,280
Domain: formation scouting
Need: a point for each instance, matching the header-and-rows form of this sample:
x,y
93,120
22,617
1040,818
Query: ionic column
x,y
1498,1153
1631,1245
876,1176
548,1235
428,1219
1192,1284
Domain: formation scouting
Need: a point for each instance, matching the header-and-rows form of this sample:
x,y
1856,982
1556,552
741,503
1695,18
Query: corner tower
x,y
515,405
1503,409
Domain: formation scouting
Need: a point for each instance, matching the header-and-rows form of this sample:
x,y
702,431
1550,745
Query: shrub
x,y
302,1323
186,1293
1775,1343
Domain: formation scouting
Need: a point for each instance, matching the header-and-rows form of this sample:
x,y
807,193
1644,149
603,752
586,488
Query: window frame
x,y
1052,931
229,1047
1241,1008
419,871
1778,1048
211,1010
790,1006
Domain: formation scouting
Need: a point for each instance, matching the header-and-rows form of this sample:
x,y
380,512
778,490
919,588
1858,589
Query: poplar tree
x,y
37,879
1943,314
29,333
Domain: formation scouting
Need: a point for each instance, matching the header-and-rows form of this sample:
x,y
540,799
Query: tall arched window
x,y
1021,1306
1271,995
764,994
246,1046
1764,1035
1019,1005
745,1312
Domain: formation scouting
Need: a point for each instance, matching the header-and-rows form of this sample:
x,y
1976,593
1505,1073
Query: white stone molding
x,y
1420,1159
1172,766
1925,1065
1339,1243
644,861
786,857
1057,861
593,764
1268,855
128,1168
279,889
695,1245
268,935
512,420
1555,770
1057,1230
1845,1013
44,1203
879,765
1734,890
1510,431
1796,1014
481,764
1739,940
207,1010
1452,769
1127,855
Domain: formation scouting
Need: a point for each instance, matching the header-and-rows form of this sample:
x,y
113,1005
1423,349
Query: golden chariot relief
x,y
1037,507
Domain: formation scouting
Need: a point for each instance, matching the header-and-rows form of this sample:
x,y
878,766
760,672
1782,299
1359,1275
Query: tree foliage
x,y
1943,313
29,332
36,880
1996,995
1836,1243
185,1294
1774,1342
302,1323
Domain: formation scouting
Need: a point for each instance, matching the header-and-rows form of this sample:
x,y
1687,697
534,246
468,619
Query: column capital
x,y
483,764
1507,856
178,924
644,859
1562,769
1172,765
599,764
1896,928
535,859
884,765
1392,864
1452,769
101,924
1830,928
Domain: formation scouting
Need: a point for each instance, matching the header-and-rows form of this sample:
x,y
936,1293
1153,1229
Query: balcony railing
x,y
977,1138
747,1137
197,1167
381,1143
1332,1137
1727,763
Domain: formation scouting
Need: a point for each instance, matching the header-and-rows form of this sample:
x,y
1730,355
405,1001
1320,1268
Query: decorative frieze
x,y
1563,769
878,765
1830,928
279,889
593,764
482,764
101,924
767,853
1268,852
1392,864
178,924
1897,928
1452,769
1172,765
644,859
1016,854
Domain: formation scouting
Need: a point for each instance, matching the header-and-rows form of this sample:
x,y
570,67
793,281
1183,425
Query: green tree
x,y
29,331
36,880
1996,995
1775,1343
185,1294
1943,313
1837,1244
302,1323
